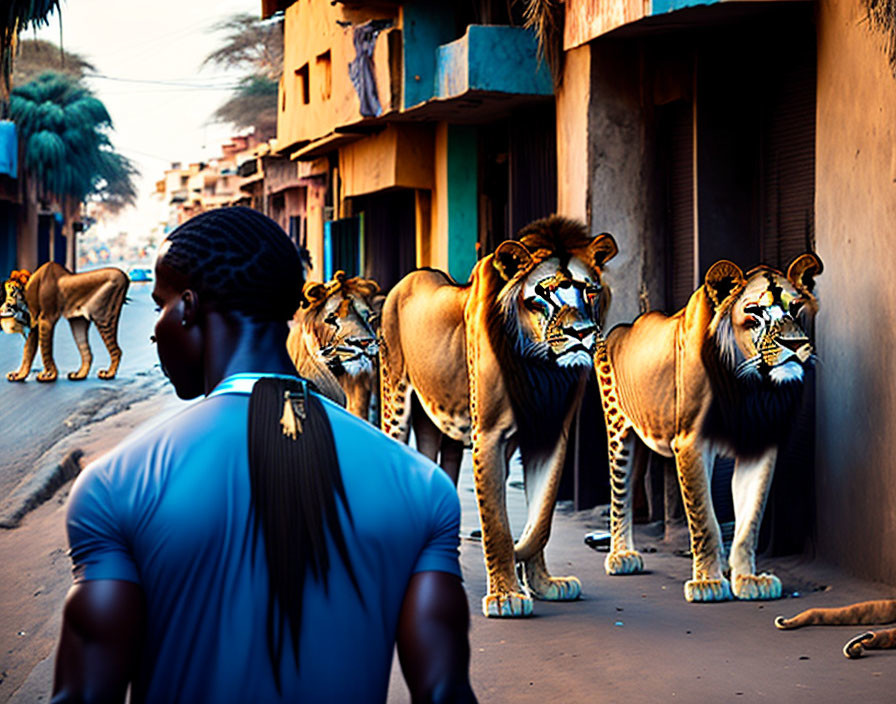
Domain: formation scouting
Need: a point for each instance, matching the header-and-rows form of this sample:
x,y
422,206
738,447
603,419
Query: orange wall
x,y
855,200
311,29
400,155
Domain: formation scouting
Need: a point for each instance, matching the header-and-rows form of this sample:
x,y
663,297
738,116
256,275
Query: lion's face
x,y
14,315
345,320
760,334
558,311
554,304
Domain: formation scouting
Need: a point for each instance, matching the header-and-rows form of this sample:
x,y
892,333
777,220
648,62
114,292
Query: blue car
x,y
140,274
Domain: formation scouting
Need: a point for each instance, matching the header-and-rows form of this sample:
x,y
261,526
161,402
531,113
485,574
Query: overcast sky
x,y
160,102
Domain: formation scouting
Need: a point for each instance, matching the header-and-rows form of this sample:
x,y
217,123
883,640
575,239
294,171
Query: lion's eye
x,y
751,321
331,319
534,305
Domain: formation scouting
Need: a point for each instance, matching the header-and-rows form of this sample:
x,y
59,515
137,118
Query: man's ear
x,y
190,305
510,257
602,249
722,278
803,270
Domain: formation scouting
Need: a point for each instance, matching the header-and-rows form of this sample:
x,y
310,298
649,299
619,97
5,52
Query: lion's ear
x,y
313,292
602,249
803,270
721,279
510,257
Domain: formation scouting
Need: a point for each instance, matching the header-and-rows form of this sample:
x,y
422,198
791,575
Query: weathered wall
x,y
855,331
454,214
311,30
572,134
621,198
399,156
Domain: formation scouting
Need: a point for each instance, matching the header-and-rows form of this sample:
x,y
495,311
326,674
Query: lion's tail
x,y
863,613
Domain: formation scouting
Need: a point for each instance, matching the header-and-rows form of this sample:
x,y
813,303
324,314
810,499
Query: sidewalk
x,y
635,639
629,639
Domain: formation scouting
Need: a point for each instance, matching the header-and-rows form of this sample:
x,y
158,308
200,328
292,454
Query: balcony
x,y
491,59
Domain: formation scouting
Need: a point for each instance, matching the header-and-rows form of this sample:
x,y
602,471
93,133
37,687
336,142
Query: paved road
x,y
34,416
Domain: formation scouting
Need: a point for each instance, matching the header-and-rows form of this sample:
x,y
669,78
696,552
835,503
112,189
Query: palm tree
x,y
255,46
67,153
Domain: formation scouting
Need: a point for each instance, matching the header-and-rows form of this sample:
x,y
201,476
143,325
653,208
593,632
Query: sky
x,y
160,101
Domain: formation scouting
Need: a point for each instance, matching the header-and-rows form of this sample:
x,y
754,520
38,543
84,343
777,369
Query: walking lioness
x,y
722,377
34,303
502,361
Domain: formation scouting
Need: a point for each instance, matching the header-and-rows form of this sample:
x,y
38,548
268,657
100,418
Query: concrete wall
x,y
855,331
399,156
621,166
311,30
454,212
572,134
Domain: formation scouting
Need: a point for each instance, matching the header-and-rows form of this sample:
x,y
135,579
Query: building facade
x,y
423,136
755,131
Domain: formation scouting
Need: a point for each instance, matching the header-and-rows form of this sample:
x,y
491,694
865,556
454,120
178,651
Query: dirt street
x,y
629,639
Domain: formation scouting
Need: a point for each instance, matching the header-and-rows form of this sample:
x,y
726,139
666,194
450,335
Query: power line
x,y
193,86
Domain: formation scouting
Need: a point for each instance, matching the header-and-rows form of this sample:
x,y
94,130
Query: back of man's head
x,y
238,259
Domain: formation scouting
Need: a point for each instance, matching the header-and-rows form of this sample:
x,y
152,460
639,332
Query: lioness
x,y
333,342
722,377
501,361
35,302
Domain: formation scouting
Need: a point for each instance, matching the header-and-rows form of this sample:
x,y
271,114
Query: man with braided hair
x,y
263,545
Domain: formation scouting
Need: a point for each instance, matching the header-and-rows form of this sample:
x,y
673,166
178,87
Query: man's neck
x,y
237,344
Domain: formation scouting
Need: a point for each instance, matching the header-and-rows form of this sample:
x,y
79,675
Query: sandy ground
x,y
629,639
35,572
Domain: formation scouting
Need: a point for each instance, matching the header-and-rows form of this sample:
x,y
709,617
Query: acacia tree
x,y
14,17
67,153
37,56
255,47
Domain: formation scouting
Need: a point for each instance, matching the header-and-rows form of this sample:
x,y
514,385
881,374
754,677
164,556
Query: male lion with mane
x,y
502,361
35,302
721,377
333,342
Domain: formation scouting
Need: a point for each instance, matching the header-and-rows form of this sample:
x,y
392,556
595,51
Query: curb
x,y
38,488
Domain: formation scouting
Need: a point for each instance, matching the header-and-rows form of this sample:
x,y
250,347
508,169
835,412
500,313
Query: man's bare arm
x,y
102,630
433,639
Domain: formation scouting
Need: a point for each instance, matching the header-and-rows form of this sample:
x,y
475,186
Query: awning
x,y
9,149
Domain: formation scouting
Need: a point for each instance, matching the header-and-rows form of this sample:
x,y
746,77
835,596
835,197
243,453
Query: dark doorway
x,y
389,250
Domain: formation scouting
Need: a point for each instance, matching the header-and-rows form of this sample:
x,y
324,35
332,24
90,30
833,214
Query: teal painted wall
x,y
424,28
661,6
493,58
462,154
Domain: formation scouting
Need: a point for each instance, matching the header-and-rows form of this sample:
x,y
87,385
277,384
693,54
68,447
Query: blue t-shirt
x,y
169,510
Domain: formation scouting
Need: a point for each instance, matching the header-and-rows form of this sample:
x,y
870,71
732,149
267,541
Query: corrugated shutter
x,y
676,135
533,167
788,170
389,235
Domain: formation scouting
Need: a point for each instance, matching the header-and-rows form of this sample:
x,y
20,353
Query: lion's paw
x,y
74,376
105,374
46,376
707,590
560,589
15,376
624,562
757,586
510,605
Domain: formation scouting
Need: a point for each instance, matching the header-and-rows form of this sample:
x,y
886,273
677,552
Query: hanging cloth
x,y
360,69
